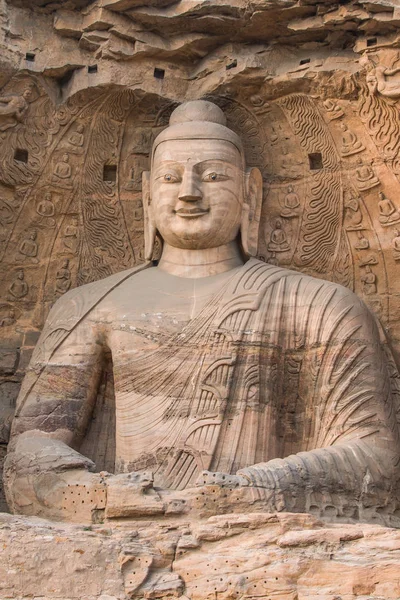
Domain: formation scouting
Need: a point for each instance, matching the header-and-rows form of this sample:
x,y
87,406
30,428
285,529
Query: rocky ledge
x,y
281,556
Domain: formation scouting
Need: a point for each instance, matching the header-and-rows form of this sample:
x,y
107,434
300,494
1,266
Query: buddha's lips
x,y
190,213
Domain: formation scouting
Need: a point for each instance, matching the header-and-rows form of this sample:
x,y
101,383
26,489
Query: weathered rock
x,y
41,559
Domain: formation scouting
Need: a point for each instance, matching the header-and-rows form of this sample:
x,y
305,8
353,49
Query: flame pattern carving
x,y
318,240
383,123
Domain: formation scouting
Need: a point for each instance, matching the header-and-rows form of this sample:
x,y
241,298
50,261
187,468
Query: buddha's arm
x,y
52,414
353,452
350,457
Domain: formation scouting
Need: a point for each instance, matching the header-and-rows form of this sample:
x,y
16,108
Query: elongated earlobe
x,y
149,227
251,212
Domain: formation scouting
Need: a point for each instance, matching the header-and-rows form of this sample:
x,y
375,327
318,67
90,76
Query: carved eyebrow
x,y
170,162
207,162
204,164
160,168
164,163
200,167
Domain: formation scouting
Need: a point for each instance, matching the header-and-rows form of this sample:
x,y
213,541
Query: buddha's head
x,y
199,194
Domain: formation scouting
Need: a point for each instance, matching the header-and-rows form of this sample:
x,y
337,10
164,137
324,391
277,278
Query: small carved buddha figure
x,y
8,320
19,288
63,278
137,210
46,210
353,214
62,169
278,238
369,281
29,248
365,175
77,138
362,243
292,203
396,245
381,80
350,143
70,238
333,109
13,109
203,347
388,214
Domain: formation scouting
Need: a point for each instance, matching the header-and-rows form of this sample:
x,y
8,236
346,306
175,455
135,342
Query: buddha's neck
x,y
200,263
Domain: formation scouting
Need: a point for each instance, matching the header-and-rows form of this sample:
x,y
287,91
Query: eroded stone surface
x,y
281,556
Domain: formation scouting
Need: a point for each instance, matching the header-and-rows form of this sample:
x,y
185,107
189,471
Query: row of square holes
x,y
160,73
110,171
304,61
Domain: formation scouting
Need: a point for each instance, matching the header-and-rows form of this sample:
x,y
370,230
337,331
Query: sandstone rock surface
x,y
276,557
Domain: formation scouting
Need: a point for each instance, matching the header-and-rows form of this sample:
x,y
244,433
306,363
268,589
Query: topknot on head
x,y
198,110
198,120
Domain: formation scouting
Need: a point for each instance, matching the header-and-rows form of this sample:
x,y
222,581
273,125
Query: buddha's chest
x,y
142,323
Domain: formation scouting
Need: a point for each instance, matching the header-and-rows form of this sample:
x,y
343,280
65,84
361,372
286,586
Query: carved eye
x,y
168,177
212,177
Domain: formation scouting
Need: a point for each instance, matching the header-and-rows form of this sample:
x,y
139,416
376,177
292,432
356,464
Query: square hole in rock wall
x,y
110,173
315,160
159,73
231,65
21,155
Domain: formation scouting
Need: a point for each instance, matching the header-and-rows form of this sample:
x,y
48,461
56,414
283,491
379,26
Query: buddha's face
x,y
197,192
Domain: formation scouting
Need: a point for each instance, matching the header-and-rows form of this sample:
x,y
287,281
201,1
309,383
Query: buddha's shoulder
x,y
78,302
296,286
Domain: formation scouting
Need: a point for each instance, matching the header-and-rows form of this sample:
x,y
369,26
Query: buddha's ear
x,y
251,211
149,227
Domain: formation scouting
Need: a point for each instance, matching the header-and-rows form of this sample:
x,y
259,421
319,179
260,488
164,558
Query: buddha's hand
x,y
223,480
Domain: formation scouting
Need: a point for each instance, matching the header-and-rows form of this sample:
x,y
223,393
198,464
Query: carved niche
x,y
71,208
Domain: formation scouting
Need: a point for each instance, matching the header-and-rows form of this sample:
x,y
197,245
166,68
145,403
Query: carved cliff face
x,y
197,192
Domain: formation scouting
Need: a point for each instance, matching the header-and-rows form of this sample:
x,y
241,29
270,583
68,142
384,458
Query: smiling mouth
x,y
191,213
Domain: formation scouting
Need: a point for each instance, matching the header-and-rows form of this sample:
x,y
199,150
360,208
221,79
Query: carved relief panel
x,y
70,201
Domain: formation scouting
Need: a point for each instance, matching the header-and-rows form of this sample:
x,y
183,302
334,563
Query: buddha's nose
x,y
190,187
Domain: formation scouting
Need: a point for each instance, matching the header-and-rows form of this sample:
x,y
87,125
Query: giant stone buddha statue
x,y
239,385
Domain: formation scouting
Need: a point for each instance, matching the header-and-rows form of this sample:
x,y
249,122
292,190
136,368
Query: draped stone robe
x,y
277,365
